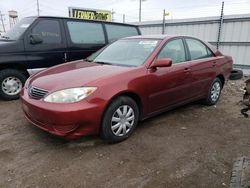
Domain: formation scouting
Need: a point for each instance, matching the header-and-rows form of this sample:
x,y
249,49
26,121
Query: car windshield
x,y
125,52
15,32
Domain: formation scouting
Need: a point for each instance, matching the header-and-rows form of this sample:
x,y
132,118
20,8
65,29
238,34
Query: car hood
x,y
11,46
74,74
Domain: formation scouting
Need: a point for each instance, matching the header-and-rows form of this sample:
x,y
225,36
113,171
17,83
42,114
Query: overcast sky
x,y
151,9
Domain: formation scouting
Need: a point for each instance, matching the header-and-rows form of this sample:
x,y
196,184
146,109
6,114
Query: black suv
x,y
40,42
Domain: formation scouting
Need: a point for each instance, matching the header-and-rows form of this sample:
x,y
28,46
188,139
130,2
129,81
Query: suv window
x,y
86,32
198,50
116,32
49,31
174,50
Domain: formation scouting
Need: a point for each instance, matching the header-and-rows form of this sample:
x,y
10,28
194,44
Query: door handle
x,y
65,57
187,70
214,64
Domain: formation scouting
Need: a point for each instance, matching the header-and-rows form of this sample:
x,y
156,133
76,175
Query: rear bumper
x,y
68,121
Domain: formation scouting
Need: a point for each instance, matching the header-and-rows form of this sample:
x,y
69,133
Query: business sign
x,y
90,14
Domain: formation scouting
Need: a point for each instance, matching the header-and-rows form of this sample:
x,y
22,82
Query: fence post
x,y
220,25
112,15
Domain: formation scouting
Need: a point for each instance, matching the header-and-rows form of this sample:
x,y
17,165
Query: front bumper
x,y
69,121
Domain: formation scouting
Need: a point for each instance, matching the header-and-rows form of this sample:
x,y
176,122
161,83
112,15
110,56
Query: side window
x,y
174,50
198,50
49,31
116,32
86,32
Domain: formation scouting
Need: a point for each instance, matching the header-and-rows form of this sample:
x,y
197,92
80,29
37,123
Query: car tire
x,y
236,74
214,92
11,83
240,177
120,119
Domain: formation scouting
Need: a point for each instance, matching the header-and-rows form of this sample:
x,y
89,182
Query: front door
x,y
170,85
51,50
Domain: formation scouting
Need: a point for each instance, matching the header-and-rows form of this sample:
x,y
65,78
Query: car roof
x,y
167,37
68,18
159,37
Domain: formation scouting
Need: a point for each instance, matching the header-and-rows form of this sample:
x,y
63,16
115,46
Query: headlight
x,y
70,95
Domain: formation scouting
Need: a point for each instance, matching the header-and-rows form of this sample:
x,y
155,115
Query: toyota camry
x,y
127,81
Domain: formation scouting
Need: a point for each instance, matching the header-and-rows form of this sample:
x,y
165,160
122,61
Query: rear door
x,y
170,85
51,51
202,66
83,38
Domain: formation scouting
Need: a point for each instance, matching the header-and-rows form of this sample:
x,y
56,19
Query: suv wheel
x,y
120,119
11,82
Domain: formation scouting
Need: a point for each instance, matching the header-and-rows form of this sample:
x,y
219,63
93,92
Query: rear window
x,y
198,50
86,32
116,32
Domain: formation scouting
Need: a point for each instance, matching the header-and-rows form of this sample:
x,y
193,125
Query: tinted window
x,y
86,32
116,32
198,50
49,31
174,50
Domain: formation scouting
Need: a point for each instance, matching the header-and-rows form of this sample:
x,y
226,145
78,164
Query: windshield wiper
x,y
103,63
88,60
99,62
4,37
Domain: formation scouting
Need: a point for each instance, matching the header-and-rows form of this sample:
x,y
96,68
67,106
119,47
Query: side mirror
x,y
35,39
164,62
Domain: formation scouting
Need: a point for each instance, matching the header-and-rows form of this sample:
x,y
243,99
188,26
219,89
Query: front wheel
x,y
11,83
120,119
214,92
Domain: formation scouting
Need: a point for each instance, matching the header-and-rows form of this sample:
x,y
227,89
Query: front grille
x,y
37,93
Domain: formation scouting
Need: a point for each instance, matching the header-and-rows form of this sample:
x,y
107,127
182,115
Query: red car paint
x,y
156,90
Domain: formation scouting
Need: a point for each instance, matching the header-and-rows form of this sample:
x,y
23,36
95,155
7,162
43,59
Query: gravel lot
x,y
192,146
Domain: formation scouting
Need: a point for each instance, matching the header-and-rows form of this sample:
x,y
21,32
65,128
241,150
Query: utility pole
x,y
1,18
140,2
220,25
38,9
140,10
123,18
112,15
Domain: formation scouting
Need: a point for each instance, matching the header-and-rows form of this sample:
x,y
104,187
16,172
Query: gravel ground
x,y
192,146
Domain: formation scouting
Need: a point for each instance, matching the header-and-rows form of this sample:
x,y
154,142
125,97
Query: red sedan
x,y
128,81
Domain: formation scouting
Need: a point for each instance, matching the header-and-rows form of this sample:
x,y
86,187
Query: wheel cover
x,y
215,91
122,120
11,85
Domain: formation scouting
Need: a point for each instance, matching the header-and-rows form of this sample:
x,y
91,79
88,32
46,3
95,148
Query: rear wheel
x,y
11,82
214,92
120,119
